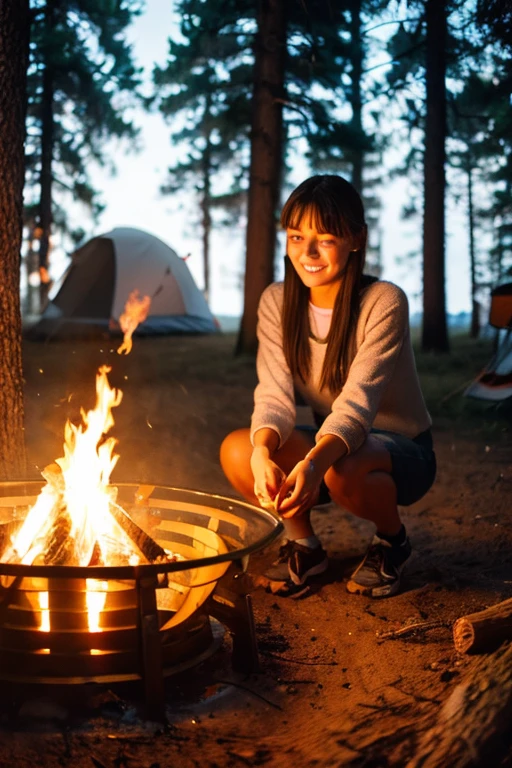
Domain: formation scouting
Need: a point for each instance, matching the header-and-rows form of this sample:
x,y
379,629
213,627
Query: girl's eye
x,y
327,242
295,238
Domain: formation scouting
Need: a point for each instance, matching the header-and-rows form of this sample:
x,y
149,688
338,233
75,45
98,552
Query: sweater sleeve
x,y
274,400
385,328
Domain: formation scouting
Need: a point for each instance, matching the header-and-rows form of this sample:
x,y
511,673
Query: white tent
x,y
495,382
92,293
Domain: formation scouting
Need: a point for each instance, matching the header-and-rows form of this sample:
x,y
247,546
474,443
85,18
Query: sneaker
x,y
302,564
278,571
379,573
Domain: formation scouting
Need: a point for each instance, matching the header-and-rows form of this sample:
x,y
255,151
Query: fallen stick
x,y
411,629
485,630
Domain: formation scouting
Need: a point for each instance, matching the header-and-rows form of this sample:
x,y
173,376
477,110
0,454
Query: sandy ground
x,y
333,690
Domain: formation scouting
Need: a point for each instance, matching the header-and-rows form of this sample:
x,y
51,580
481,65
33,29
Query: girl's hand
x,y
300,490
268,477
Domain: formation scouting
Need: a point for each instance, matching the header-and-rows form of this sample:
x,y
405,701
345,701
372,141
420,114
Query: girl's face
x,y
319,259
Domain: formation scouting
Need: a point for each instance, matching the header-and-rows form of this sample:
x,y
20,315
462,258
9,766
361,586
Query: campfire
x,y
76,519
109,583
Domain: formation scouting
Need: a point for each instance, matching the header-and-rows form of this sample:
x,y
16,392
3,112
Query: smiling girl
x,y
341,340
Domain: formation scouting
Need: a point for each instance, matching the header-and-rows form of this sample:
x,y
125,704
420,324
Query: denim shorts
x,y
413,464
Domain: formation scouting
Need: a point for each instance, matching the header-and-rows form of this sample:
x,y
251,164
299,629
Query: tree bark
x,y
356,101
46,175
474,331
485,630
469,728
435,335
265,165
206,217
14,45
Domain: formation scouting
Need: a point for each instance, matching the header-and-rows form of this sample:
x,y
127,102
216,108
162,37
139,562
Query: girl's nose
x,y
312,248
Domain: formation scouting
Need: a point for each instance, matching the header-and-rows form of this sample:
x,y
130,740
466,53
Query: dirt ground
x,y
335,687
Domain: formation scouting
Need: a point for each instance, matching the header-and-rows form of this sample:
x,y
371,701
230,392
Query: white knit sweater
x,y
381,390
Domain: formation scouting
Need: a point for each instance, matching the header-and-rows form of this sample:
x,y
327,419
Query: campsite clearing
x,y
345,681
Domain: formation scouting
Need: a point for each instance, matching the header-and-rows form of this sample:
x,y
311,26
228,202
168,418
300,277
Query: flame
x,y
135,312
95,598
75,500
44,604
70,522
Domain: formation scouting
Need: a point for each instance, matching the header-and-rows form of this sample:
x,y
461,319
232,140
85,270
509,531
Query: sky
x,y
132,198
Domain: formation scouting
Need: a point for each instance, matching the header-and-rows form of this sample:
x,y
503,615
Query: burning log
x,y
54,477
60,548
469,726
485,630
152,551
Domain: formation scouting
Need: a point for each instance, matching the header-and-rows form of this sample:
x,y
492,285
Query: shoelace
x,y
374,558
285,551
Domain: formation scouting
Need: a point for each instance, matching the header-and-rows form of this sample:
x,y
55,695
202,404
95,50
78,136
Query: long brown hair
x,y
336,207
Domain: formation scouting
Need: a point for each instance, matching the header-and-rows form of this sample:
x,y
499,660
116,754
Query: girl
x,y
341,340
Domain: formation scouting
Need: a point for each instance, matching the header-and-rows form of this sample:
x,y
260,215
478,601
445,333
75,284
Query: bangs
x,y
323,216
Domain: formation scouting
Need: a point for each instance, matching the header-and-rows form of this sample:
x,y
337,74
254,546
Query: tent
x,y
495,381
92,293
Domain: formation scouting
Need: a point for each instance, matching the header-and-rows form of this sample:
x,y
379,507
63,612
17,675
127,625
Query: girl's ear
x,y
359,240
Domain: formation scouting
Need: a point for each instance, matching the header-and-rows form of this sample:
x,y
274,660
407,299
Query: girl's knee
x,y
342,479
235,448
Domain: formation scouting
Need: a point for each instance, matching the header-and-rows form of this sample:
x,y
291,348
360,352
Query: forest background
x,y
179,172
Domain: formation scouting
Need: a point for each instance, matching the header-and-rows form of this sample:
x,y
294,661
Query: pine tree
x,y
14,45
478,152
80,71
435,330
204,85
474,38
218,59
266,163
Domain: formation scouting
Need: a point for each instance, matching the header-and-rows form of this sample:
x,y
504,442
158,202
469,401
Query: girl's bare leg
x,y
235,458
362,484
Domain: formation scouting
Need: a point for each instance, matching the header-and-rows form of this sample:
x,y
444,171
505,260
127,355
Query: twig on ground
x,y
422,626
249,690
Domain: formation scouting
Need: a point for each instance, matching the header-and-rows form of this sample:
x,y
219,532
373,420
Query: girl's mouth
x,y
312,268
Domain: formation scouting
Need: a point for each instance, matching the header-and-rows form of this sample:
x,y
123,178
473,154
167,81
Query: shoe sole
x,y
388,590
292,593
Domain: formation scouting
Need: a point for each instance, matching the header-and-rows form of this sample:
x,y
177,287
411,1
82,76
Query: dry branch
x,y
476,714
411,629
485,630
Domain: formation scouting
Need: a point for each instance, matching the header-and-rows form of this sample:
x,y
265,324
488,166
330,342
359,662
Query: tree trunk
x,y
46,176
266,162
470,727
206,218
356,101
435,335
14,42
474,331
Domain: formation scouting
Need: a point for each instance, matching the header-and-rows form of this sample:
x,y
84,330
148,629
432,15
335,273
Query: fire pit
x,y
76,624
